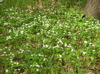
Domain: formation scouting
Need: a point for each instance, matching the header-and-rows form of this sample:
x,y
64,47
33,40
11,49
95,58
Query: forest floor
x,y
55,40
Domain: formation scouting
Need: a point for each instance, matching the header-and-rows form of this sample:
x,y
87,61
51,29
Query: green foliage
x,y
25,4
48,41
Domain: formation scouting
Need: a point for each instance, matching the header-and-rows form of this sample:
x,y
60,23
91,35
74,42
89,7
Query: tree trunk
x,y
92,8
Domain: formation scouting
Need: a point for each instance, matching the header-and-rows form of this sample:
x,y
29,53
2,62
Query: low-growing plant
x,y
49,41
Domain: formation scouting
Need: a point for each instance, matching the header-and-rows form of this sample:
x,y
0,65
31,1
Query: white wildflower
x,y
45,46
37,69
8,37
0,49
60,41
15,69
22,32
16,33
6,47
18,69
74,38
85,41
72,50
6,70
97,27
93,45
40,55
65,44
77,57
69,45
37,66
90,43
57,46
31,54
17,63
93,50
9,30
29,26
31,65
6,23
4,52
69,33
84,53
91,58
47,25
38,33
10,9
60,56
44,59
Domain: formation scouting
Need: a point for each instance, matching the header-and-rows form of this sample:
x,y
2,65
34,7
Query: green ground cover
x,y
53,40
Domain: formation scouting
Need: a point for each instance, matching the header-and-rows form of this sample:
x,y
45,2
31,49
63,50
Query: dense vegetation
x,y
48,38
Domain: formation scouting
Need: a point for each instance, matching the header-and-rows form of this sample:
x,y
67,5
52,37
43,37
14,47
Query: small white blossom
x,y
10,9
57,46
29,26
31,54
22,32
46,46
93,50
37,66
21,50
44,59
65,44
0,49
47,25
4,52
31,65
8,37
17,63
97,27
6,23
90,43
69,45
5,47
85,41
91,58
74,38
77,57
18,69
60,41
15,69
60,56
69,33
72,50
93,45
37,69
9,31
38,33
40,55
6,70
84,53
16,33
